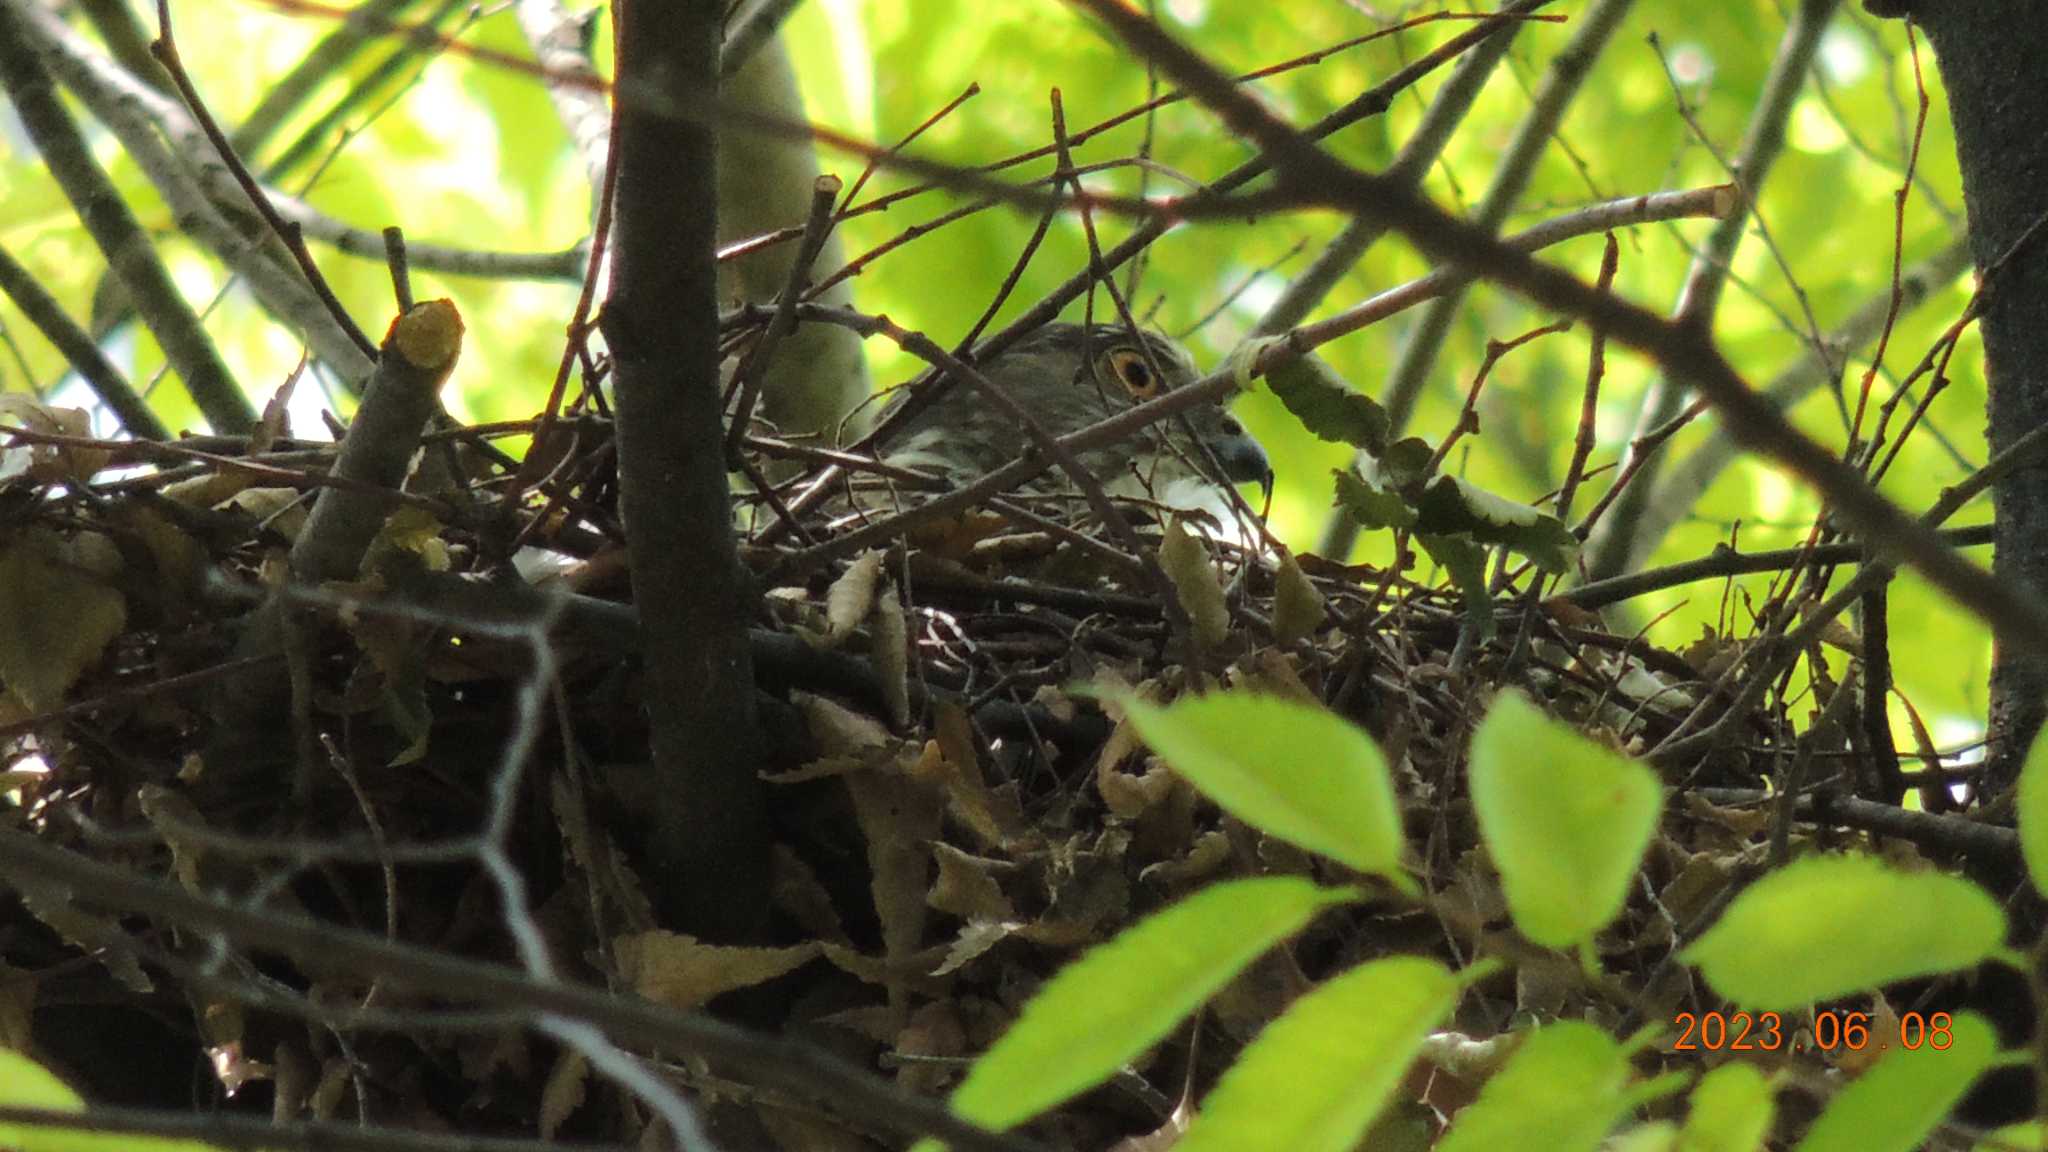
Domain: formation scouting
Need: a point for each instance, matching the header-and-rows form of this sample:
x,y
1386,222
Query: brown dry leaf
x,y
276,422
899,817
335,1080
967,886
797,893
282,510
953,538
1130,795
1089,886
1186,561
1298,608
1210,852
891,653
413,531
839,730
209,490
48,463
56,617
975,939
1745,823
17,1007
597,854
1276,673
1699,883
89,933
684,972
848,600
1856,1059
568,1084
180,823
874,1022
180,563
949,761
931,1048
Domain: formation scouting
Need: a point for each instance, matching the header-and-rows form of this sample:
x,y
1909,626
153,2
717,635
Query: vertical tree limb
x,y
707,844
1993,54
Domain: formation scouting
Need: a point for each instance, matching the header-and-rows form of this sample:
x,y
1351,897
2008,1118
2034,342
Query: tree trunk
x,y
1993,56
706,846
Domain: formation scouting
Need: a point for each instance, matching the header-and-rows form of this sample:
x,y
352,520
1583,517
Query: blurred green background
x,y
472,154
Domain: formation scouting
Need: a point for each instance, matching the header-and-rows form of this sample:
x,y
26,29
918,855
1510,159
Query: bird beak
x,y
1244,459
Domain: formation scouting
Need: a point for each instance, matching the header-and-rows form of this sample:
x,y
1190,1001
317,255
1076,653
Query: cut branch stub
x,y
418,353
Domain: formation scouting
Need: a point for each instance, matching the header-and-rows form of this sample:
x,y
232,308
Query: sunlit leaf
x,y
1895,1105
1122,997
1290,769
1827,926
1565,820
1318,1076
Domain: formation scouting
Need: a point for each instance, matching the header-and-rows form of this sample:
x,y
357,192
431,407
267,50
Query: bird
x,y
1068,377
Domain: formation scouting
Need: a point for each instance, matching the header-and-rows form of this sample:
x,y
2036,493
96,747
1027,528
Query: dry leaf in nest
x,y
1298,608
683,972
966,886
839,731
1089,887
58,613
891,653
1186,561
954,537
851,596
568,1083
899,817
950,761
613,882
1856,1059
931,1048
48,463
975,939
796,892
280,510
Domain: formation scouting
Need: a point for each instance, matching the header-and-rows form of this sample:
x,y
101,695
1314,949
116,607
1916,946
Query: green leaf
x,y
1731,1111
1121,997
1327,404
1373,504
1292,770
1466,562
1828,926
2033,810
1316,1078
1448,504
27,1084
1566,820
1896,1104
1561,1092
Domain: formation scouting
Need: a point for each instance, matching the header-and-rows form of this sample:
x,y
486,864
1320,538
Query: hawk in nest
x,y
1070,376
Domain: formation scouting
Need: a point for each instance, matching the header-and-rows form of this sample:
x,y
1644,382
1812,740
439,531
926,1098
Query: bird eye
x,y
1130,370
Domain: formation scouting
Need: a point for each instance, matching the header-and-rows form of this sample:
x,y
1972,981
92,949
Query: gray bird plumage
x,y
1069,377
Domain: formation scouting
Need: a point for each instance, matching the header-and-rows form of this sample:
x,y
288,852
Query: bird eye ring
x,y
1131,371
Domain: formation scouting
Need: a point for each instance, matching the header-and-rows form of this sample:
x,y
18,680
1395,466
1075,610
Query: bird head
x,y
1070,376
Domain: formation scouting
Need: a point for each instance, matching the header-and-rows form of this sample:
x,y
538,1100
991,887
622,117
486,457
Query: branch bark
x,y
707,839
1992,54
